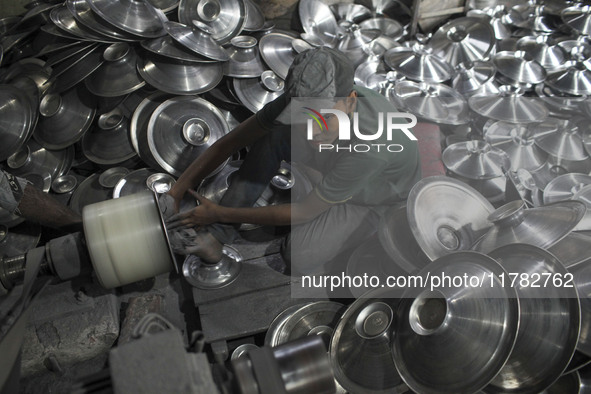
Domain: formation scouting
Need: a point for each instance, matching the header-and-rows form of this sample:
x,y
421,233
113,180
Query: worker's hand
x,y
168,205
205,213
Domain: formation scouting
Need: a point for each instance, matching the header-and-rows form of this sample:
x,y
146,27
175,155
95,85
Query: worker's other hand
x,y
205,213
168,206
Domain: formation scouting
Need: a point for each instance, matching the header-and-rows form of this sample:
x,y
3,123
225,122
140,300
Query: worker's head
x,y
325,74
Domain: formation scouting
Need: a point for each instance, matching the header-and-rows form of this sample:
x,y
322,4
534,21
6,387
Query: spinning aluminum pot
x,y
254,93
225,17
245,59
64,118
519,67
187,125
138,127
197,38
66,77
463,40
33,159
582,280
108,143
316,318
510,106
440,229
419,64
360,351
578,18
436,103
564,187
118,75
388,27
84,15
396,237
133,16
177,78
318,20
572,249
17,118
255,19
213,276
127,240
64,19
539,48
549,322
277,52
353,13
88,192
475,78
541,227
354,42
463,335
476,160
561,139
518,142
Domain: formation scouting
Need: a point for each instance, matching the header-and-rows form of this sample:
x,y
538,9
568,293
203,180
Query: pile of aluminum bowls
x,y
101,97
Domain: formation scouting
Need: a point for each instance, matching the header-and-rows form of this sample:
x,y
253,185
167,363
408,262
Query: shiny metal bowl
x,y
446,215
225,17
245,59
463,335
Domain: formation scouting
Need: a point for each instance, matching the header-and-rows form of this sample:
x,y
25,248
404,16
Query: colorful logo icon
x,y
317,117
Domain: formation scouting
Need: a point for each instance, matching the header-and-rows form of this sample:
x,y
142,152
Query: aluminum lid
x,y
463,40
418,63
518,142
435,102
360,351
17,120
136,17
509,105
63,119
388,27
548,324
446,215
277,51
178,78
197,38
254,93
542,226
476,160
462,335
109,143
472,76
118,75
225,17
561,139
518,66
319,21
84,15
245,59
167,47
187,125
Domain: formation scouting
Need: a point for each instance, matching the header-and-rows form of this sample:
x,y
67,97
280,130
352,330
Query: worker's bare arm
x,y
243,135
277,215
